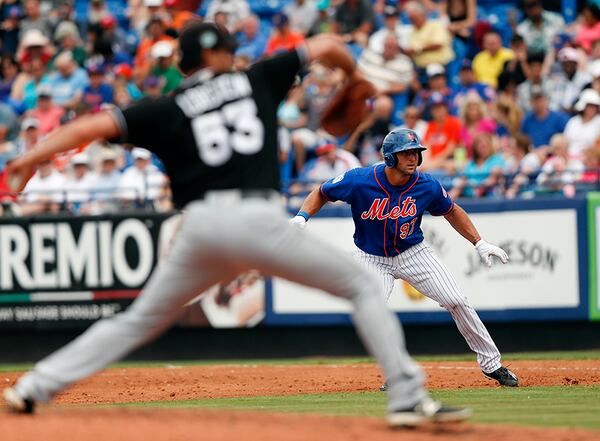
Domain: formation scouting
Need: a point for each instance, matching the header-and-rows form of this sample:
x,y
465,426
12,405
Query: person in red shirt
x,y
442,135
46,112
282,38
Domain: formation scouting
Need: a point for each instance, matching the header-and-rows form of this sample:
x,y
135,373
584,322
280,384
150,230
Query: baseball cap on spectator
x,y
153,3
390,11
152,81
140,153
14,12
438,98
34,37
531,3
81,159
108,155
280,20
535,57
30,123
537,91
435,69
124,70
44,91
95,69
588,96
66,29
567,54
108,22
161,49
322,5
325,148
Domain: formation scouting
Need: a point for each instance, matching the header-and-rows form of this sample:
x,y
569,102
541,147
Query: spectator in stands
x,y
47,114
437,84
430,41
366,140
97,92
330,162
25,87
391,26
79,184
474,120
441,137
488,63
282,38
583,129
591,164
105,187
115,36
354,21
45,191
539,27
29,136
125,90
535,79
559,171
468,85
594,71
97,12
153,87
483,173
569,82
34,45
589,28
413,121
522,165
178,17
65,11
155,33
513,72
390,71
302,13
508,116
251,42
68,40
322,22
9,30
34,19
142,182
541,123
164,68
68,81
237,11
462,15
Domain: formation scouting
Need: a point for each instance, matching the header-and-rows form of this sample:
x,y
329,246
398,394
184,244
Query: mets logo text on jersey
x,y
376,211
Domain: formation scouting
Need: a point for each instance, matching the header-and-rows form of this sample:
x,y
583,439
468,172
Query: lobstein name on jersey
x,y
376,211
212,94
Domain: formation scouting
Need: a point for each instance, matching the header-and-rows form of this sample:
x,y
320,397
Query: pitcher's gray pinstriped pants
x,y
420,267
216,241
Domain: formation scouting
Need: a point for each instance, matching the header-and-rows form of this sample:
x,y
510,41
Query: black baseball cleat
x,y
503,376
16,403
383,387
427,410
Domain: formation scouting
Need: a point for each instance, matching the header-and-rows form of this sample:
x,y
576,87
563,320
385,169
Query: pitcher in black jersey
x,y
217,137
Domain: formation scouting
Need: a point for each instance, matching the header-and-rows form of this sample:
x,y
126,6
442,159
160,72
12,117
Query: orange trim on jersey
x,y
385,221
399,200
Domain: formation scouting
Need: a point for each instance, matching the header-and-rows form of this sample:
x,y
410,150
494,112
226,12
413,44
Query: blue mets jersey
x,y
387,218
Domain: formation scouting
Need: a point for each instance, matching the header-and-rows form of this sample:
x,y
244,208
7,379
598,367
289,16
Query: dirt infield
x,y
196,382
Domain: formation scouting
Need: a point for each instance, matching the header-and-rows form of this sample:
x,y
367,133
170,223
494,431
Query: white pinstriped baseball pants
x,y
420,267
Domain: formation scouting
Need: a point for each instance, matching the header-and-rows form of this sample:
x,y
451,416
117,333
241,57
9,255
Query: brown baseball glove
x,y
348,108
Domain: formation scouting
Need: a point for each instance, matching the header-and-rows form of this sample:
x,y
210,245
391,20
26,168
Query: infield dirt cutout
x,y
125,385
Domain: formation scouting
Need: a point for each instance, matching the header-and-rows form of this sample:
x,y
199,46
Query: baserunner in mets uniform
x,y
388,201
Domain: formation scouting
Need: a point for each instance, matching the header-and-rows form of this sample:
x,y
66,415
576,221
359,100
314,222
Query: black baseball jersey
x,y
217,131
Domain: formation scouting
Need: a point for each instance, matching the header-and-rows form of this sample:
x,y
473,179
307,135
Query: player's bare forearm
x,y
461,222
313,202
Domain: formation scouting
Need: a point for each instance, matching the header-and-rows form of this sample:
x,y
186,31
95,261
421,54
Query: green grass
x,y
571,355
541,406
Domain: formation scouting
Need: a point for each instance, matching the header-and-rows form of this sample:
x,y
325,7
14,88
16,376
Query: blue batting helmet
x,y
398,141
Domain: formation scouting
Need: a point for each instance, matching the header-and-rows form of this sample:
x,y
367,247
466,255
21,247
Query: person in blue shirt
x,y
388,202
97,92
541,122
469,84
251,41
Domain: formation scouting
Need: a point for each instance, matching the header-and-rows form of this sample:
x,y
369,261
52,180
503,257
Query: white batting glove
x,y
298,222
487,250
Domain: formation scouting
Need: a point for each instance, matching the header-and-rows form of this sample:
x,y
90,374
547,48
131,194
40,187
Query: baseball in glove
x,y
348,107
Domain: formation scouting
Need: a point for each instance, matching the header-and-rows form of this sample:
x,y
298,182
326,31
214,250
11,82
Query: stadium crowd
x,y
506,99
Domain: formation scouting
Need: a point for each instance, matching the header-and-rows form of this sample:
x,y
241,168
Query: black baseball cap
x,y
200,36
